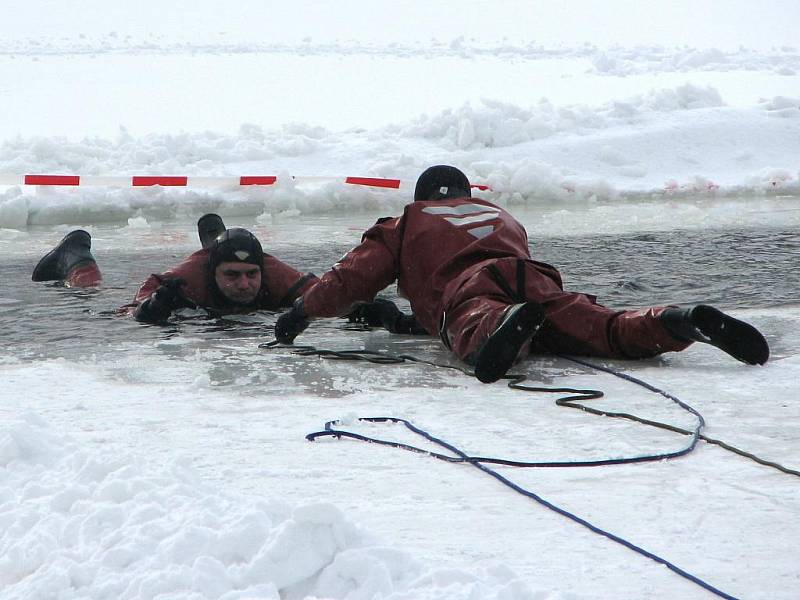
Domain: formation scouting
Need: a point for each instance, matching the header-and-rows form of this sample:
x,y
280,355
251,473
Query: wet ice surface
x,y
732,269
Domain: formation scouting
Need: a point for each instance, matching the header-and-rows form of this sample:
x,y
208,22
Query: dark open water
x,y
730,269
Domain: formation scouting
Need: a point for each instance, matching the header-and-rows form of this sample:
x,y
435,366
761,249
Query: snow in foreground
x,y
92,525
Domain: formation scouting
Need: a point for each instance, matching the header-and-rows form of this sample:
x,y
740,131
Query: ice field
x,y
652,157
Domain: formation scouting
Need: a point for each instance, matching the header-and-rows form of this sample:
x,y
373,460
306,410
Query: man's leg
x,y
490,334
487,324
509,341
581,327
71,261
470,322
574,323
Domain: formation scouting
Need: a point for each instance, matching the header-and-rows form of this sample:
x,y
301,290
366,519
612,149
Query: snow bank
x,y
668,143
497,123
158,154
623,62
99,526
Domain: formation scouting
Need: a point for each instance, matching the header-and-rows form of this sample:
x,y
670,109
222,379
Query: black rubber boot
x,y
709,325
500,350
209,226
74,251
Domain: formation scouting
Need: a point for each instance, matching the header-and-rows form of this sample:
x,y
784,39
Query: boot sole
x,y
501,349
739,339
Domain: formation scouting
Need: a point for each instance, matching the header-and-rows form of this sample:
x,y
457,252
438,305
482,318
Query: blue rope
x,y
463,457
478,462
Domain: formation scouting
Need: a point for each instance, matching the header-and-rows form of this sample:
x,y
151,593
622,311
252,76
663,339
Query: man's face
x,y
238,282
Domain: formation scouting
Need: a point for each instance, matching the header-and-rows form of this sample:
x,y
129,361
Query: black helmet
x,y
440,182
235,245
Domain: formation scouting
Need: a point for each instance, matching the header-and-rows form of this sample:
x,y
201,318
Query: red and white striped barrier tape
x,y
184,181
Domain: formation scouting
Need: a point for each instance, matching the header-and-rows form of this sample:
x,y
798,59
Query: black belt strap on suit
x,y
519,295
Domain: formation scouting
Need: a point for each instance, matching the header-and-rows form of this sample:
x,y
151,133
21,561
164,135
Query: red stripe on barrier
x,y
167,181
52,180
183,181
263,180
374,182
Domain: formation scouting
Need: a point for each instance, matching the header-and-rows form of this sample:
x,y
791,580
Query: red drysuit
x,y
460,263
280,285
87,275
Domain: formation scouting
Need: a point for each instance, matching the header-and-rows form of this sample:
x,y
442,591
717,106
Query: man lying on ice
x,y
464,265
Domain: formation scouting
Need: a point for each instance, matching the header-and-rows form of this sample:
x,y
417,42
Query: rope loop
x,y
573,399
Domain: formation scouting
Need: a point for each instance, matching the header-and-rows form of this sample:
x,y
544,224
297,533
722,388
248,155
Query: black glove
x,y
292,323
159,306
384,313
378,313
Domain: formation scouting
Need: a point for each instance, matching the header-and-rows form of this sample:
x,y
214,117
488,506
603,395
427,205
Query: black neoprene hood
x,y
440,182
235,245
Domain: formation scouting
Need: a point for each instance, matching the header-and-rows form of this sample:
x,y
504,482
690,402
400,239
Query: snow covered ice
x,y
631,139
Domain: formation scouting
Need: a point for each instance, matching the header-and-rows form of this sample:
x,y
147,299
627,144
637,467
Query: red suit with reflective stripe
x,y
280,285
449,258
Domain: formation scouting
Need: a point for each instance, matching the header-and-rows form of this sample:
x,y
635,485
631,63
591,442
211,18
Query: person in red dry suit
x,y
464,265
231,274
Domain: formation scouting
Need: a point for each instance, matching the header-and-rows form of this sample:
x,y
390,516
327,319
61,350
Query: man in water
x,y
230,274
465,266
